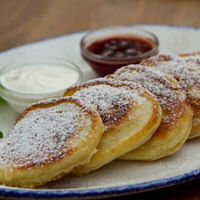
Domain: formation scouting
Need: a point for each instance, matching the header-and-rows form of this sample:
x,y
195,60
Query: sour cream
x,y
40,78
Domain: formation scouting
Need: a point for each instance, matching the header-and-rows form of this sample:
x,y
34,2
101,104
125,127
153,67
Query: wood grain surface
x,y
23,21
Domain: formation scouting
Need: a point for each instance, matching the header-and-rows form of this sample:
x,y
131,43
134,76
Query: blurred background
x,y
23,21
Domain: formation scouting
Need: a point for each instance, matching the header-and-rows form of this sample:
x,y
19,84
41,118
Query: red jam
x,y
111,53
120,47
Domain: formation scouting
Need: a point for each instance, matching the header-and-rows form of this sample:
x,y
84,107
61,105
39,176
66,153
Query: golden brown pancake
x,y
190,54
177,115
130,115
48,140
186,70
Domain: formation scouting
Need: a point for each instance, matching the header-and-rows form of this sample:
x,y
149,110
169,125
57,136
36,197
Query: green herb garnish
x,y
2,100
1,134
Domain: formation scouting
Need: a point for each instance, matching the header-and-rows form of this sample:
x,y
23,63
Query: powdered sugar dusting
x,y
154,81
42,136
186,70
111,102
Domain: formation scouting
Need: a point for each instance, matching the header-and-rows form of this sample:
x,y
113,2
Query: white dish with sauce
x,y
24,82
119,177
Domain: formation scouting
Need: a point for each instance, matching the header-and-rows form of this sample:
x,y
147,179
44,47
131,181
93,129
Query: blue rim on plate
x,y
99,192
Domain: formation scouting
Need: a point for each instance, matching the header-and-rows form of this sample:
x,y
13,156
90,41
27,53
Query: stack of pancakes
x,y
141,112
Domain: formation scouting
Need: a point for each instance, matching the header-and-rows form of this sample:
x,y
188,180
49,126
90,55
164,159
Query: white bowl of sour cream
x,y
25,82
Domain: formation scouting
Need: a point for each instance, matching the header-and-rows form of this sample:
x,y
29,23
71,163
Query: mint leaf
x,y
1,134
2,100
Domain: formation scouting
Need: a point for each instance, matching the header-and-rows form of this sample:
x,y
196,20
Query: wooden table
x,y
23,21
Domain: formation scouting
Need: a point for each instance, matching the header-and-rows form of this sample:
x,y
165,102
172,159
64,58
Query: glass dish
x,y
19,100
104,65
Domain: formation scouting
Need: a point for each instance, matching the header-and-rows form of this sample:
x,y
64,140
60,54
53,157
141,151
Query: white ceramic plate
x,y
118,177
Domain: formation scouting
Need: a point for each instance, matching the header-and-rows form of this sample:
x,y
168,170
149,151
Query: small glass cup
x,y
19,100
105,65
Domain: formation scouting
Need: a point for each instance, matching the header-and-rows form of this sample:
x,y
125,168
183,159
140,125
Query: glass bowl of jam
x,y
110,48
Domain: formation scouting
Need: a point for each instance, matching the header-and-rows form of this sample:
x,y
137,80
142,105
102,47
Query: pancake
x,y
48,140
190,54
130,115
177,115
186,70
